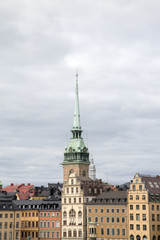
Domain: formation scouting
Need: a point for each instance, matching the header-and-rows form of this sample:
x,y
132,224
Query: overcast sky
x,y
115,45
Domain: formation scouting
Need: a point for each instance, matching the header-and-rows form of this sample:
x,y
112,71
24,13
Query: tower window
x,y
84,173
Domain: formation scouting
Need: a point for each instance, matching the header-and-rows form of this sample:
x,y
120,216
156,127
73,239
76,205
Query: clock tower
x,y
76,155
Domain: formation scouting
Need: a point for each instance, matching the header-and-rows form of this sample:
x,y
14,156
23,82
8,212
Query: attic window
x,y
151,185
156,184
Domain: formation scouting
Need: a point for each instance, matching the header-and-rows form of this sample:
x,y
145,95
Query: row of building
x,y
89,209
84,208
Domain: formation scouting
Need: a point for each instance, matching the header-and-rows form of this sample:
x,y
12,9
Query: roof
x,y
110,198
152,184
22,188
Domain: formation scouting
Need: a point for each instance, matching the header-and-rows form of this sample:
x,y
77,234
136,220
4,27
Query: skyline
x,y
115,47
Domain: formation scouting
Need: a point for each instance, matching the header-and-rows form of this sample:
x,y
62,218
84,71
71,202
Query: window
x,y
112,219
140,187
76,189
80,233
52,214
52,224
131,227
131,216
6,225
17,225
112,210
102,231
0,225
123,219
96,219
144,207
72,190
108,231
137,197
101,210
123,210
72,182
137,207
69,200
107,219
95,190
117,210
144,217
153,227
47,234
1,215
107,210
89,219
131,207
48,224
134,187
6,215
158,217
158,227
79,214
17,215
11,215
79,200
118,231
95,210
57,223
64,214
5,235
137,217
153,217
113,232
102,219
138,227
67,190
131,197
157,207
69,233
143,197
72,213
89,210
123,232
74,200
144,227
64,233
64,200
117,219
74,233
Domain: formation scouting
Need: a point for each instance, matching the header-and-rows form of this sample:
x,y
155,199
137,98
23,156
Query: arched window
x,y
154,237
144,237
64,214
64,233
72,213
79,214
79,233
69,233
138,237
131,237
84,173
75,233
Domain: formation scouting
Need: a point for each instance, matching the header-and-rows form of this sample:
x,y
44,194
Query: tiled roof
x,y
152,184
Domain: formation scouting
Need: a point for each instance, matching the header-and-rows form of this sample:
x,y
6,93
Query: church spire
x,y
76,122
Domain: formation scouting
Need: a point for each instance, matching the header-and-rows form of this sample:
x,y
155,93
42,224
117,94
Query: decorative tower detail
x,y
76,155
92,170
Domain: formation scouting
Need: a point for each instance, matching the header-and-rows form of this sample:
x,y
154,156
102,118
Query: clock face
x,y
84,149
70,149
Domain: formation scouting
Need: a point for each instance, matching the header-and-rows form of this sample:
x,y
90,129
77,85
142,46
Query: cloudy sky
x,y
115,45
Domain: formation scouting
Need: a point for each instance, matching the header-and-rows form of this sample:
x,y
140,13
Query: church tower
x,y
76,155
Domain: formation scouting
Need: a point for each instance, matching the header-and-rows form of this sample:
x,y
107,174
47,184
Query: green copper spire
x,y
76,122
76,151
